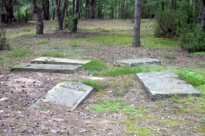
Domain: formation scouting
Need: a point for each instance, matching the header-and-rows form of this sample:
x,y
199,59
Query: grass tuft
x,y
26,30
95,65
200,53
53,54
169,57
74,45
114,105
95,85
20,53
43,42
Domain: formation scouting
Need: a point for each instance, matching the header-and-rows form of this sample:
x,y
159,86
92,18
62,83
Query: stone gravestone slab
x,y
164,84
69,94
47,68
137,62
49,60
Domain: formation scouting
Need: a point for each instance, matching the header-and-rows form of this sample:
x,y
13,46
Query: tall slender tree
x,y
203,15
136,37
76,14
46,13
60,13
39,19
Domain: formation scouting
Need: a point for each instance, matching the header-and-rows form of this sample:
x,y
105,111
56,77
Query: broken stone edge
x,y
155,97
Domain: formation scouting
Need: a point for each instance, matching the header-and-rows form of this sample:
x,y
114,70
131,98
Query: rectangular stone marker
x,y
137,62
48,60
164,84
47,68
69,94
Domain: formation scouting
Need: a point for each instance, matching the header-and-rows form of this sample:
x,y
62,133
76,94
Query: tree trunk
x,y
9,9
92,9
75,21
45,5
174,4
60,15
136,37
203,16
39,18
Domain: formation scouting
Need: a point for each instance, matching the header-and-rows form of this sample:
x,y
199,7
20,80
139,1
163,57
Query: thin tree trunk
x,y
75,21
45,5
203,16
39,18
136,37
92,9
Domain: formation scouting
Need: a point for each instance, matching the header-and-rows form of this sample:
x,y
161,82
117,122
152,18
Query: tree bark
x,y
136,37
75,21
92,9
60,15
39,18
9,17
45,5
203,16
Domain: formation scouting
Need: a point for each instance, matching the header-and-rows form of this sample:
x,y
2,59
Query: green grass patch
x,y
169,57
26,30
20,53
139,131
95,65
118,93
190,55
74,45
201,129
53,54
43,42
11,36
200,53
112,106
4,58
56,47
95,85
173,123
191,78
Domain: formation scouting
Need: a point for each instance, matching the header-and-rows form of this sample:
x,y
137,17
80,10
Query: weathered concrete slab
x,y
49,60
69,94
137,62
164,84
47,68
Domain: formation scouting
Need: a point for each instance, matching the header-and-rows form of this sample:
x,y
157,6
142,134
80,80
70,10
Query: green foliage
x,y
191,78
23,12
193,39
200,53
95,85
3,44
74,45
112,106
20,53
169,57
53,54
69,22
43,42
95,65
26,30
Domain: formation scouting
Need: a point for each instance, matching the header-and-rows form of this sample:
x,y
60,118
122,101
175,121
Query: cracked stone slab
x,y
137,62
164,84
49,60
47,68
69,94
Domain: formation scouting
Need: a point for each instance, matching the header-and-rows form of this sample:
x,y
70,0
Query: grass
x,y
118,93
26,30
53,54
56,47
191,78
20,53
95,65
200,53
43,42
169,57
19,34
112,106
173,123
201,129
95,85
139,131
74,45
4,58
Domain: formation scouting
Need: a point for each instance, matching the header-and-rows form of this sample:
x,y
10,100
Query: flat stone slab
x,y
47,68
69,94
137,62
49,60
164,84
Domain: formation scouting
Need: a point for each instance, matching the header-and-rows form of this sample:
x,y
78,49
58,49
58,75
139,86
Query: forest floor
x,y
119,107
